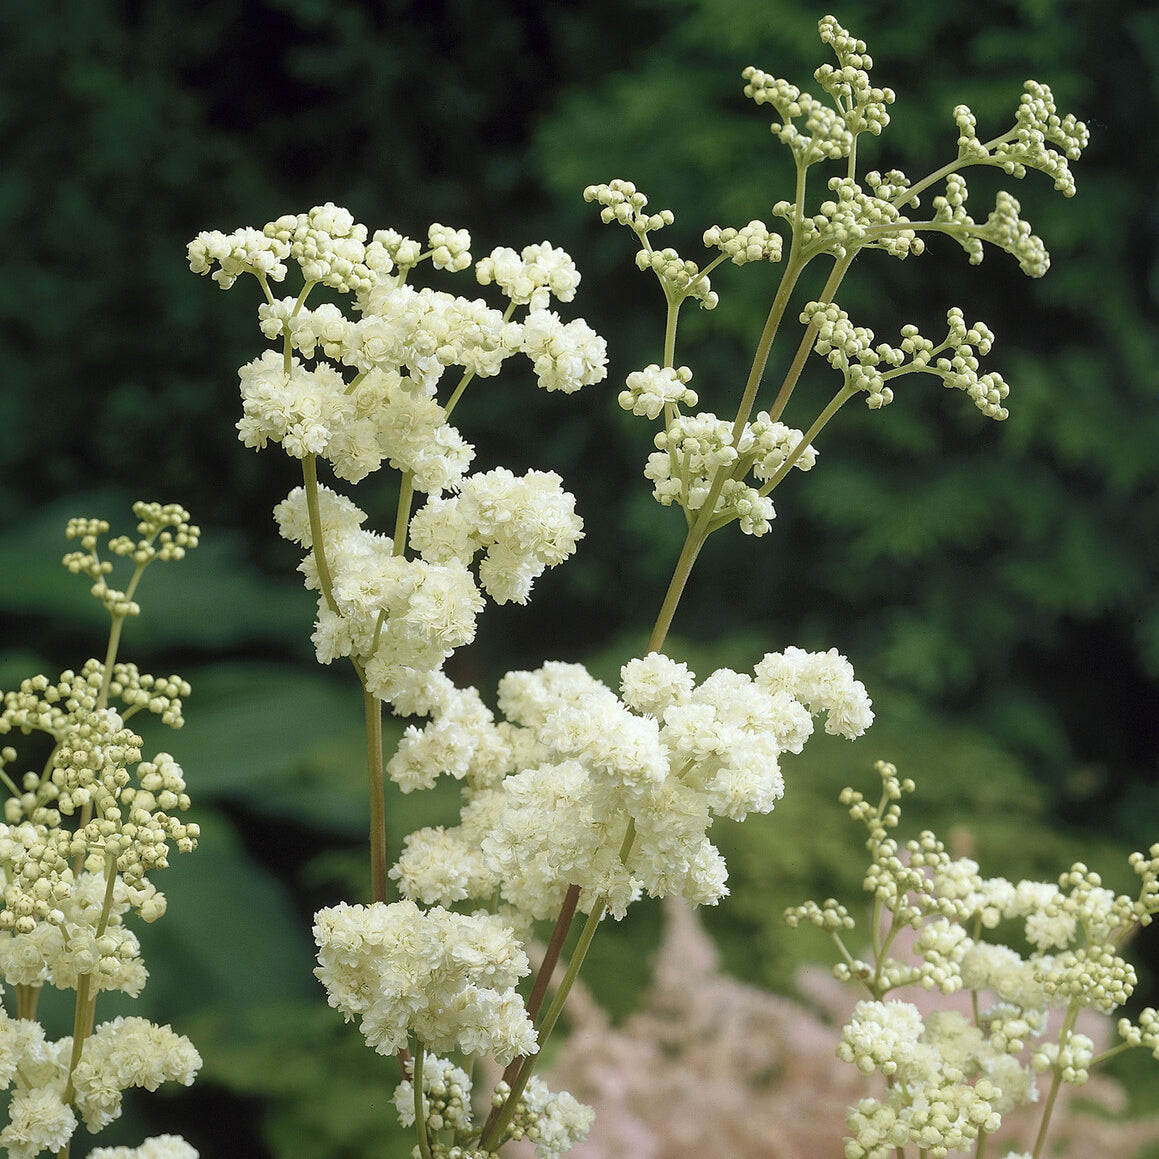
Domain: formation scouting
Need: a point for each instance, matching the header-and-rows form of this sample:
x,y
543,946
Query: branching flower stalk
x,y
80,838
950,1079
575,798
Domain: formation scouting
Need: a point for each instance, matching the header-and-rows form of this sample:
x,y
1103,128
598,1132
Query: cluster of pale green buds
x,y
1028,145
752,243
869,368
859,106
166,534
681,278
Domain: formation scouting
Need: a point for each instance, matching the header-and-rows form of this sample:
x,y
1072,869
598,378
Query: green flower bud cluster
x,y
850,349
858,106
94,796
1143,1033
1003,228
166,534
855,220
622,202
1028,145
752,243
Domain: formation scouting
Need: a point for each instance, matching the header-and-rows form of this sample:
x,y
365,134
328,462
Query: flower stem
x,y
420,1113
372,708
310,486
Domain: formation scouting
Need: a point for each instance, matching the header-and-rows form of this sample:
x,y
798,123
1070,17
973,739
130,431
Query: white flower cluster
x,y
117,1055
78,944
522,525
850,349
399,346
615,794
976,1070
693,449
930,1103
446,1095
651,390
532,277
159,1147
447,978
553,1120
403,617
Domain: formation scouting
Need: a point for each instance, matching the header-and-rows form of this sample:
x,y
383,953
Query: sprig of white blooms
x,y
553,792
80,838
951,1078
446,977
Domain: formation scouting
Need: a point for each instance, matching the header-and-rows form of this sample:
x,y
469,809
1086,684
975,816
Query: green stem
x,y
805,347
670,322
84,1011
1048,1108
1055,1081
835,404
765,343
543,977
372,708
402,514
693,542
310,486
417,1083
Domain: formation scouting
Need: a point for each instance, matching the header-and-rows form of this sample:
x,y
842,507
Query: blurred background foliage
x,y
994,585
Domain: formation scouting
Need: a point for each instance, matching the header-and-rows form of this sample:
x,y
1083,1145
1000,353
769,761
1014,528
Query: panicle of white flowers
x,y
612,794
117,1056
448,978
693,449
553,1121
976,1070
399,347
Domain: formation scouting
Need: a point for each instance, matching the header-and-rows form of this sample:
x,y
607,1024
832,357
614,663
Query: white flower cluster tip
x,y
445,977
402,342
693,449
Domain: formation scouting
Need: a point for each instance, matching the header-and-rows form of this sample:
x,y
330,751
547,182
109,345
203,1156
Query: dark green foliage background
x,y
994,585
